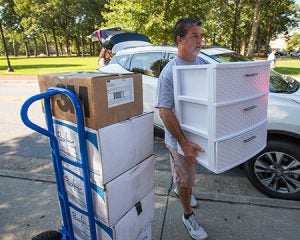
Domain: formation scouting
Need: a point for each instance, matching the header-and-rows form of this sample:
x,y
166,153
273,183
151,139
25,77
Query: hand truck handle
x,y
49,93
56,153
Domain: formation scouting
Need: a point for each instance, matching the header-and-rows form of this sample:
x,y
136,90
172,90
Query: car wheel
x,y
276,170
48,235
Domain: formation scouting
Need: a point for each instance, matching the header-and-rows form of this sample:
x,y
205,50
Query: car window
x,y
122,60
147,63
228,57
282,84
171,56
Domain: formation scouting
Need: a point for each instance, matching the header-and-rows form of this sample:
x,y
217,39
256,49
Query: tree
x,y
153,18
294,42
54,19
254,30
49,25
276,17
7,18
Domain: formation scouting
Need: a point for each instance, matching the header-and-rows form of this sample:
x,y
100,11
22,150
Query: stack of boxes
x,y
223,108
119,138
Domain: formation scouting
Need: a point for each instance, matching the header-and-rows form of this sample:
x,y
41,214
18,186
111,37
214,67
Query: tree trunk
x,y
35,47
14,47
77,45
235,23
55,42
254,29
61,48
10,69
26,49
243,50
46,45
68,45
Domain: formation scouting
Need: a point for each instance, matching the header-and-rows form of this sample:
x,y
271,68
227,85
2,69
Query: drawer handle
x,y
249,139
250,108
251,74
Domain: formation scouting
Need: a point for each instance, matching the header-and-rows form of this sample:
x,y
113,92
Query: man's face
x,y
190,45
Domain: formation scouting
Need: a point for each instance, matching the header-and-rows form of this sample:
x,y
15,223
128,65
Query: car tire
x,y
48,235
277,179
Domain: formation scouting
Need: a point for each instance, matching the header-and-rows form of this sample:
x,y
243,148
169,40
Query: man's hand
x,y
190,151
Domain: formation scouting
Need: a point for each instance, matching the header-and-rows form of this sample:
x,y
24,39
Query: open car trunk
x,y
117,39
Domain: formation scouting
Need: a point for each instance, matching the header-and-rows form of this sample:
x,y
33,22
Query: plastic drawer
x,y
220,156
240,83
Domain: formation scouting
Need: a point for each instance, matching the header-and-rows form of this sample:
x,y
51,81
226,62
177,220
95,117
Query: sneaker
x,y
194,202
194,228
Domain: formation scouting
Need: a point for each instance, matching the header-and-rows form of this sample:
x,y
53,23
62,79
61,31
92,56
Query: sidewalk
x,y
18,77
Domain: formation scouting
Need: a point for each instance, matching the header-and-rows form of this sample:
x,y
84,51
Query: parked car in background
x,y
296,54
276,170
281,53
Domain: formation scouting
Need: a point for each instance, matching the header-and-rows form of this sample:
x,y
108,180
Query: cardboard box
x,y
112,150
105,98
117,197
134,225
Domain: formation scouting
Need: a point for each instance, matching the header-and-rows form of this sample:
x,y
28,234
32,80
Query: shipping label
x,y
119,91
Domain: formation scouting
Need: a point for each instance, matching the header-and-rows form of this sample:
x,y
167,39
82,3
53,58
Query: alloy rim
x,y
279,172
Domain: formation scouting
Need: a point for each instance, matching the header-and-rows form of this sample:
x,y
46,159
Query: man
x,y
272,57
187,34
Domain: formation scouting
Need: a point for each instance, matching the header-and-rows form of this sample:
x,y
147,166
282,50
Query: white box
x,y
147,234
118,196
133,225
223,108
112,150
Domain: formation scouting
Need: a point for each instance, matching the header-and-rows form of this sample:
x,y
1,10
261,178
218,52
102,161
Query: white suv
x,y
276,170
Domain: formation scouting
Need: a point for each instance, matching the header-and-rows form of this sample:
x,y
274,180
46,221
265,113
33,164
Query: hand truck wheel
x,y
48,235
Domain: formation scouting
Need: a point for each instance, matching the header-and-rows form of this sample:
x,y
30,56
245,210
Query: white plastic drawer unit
x,y
220,156
218,102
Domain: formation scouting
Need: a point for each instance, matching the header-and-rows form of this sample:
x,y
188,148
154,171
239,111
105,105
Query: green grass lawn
x,y
41,65
289,66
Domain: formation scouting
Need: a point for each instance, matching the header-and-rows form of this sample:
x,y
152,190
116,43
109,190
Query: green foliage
x,y
154,18
294,42
32,24
225,23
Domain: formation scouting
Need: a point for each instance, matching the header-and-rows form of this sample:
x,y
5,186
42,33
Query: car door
x,y
149,64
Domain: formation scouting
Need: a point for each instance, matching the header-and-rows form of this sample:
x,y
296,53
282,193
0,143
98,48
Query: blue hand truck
x,y
66,232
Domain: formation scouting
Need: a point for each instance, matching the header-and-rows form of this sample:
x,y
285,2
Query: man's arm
x,y
171,123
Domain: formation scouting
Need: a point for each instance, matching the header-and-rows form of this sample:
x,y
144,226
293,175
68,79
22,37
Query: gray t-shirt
x,y
165,91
